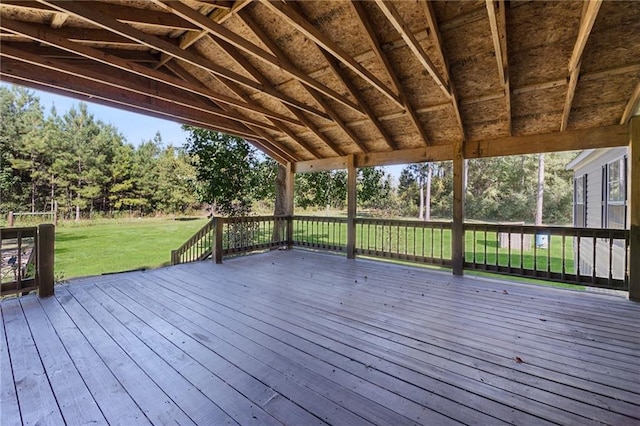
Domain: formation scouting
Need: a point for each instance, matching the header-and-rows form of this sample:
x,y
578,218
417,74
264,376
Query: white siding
x,y
592,167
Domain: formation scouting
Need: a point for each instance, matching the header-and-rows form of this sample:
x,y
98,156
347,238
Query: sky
x,y
136,128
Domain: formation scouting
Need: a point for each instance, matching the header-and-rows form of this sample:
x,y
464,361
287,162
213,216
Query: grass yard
x,y
94,248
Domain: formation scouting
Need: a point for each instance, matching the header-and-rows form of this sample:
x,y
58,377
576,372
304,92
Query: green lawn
x,y
113,246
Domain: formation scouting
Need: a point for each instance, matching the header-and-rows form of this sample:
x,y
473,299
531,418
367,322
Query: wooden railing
x,y
234,235
251,233
583,256
320,232
412,240
26,260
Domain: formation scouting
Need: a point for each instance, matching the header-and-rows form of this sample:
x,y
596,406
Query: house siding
x,y
592,166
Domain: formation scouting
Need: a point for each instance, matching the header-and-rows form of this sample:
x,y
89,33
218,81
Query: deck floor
x,y
302,338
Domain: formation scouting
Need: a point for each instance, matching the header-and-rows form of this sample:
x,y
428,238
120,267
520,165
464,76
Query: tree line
x,y
88,168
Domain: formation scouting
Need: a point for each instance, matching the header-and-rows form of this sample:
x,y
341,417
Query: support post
x,y
10,220
457,229
352,174
290,188
45,259
217,239
634,209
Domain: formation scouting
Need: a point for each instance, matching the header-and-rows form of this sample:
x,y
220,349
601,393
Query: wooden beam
x,y
293,18
322,165
129,84
497,20
437,41
632,105
58,20
634,209
119,12
87,13
255,73
275,150
352,179
457,227
278,53
405,156
239,42
18,73
44,35
384,59
589,14
398,23
570,140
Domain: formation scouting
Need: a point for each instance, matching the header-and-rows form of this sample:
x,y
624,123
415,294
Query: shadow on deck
x,y
301,338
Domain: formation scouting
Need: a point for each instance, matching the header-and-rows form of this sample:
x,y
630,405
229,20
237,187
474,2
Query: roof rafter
x,y
632,105
90,15
437,40
384,59
229,36
589,14
398,23
255,73
47,36
129,84
189,38
497,20
273,149
97,90
299,22
275,50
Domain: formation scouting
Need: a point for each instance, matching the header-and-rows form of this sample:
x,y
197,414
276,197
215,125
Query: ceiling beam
x,y
275,149
437,42
248,67
497,20
589,14
93,91
632,105
219,31
299,22
398,23
47,36
125,82
277,52
87,13
384,60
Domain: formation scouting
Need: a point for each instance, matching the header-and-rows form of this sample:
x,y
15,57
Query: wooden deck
x,y
301,338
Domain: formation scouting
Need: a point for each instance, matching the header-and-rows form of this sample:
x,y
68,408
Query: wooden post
x,y
457,230
217,239
46,257
290,188
352,174
634,208
10,220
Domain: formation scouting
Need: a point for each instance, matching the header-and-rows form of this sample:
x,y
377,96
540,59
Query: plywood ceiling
x,y
321,79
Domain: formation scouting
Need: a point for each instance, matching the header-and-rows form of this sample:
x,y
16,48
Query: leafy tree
x,y
224,166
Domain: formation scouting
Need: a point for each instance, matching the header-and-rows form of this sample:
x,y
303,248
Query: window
x,y
614,194
580,201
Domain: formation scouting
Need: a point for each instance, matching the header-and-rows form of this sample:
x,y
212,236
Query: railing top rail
x,y
252,218
22,230
568,231
412,222
196,235
320,218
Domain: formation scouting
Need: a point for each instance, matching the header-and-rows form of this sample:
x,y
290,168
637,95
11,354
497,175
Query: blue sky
x,y
136,128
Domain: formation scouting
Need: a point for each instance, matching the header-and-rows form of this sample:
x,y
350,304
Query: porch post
x,y
634,209
218,223
289,206
45,257
457,230
351,206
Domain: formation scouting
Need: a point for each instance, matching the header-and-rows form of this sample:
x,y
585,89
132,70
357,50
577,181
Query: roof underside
x,y
321,79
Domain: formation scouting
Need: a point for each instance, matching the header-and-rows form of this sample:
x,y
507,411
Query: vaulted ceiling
x,y
322,79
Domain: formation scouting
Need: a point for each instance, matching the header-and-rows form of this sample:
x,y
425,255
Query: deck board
x,y
298,337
